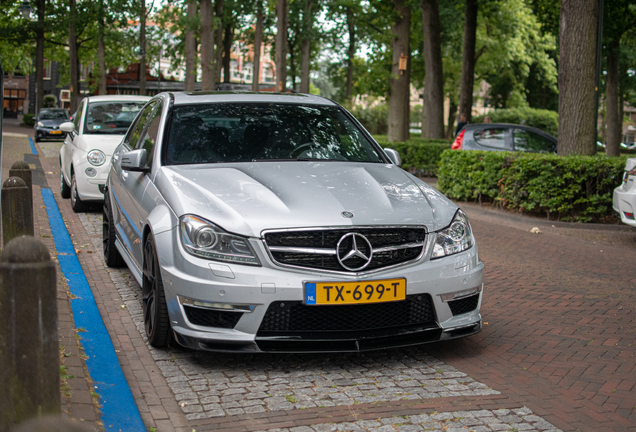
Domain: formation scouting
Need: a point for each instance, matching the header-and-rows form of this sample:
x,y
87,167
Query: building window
x,y
65,95
247,73
85,71
47,70
235,73
268,74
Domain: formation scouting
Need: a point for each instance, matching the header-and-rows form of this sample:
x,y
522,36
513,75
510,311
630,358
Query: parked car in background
x,y
47,124
624,202
274,222
98,126
504,137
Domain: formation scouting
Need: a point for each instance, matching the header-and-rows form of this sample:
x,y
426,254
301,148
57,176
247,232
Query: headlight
x,y
206,240
40,124
96,157
456,238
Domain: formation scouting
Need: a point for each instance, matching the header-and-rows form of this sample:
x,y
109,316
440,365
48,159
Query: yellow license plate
x,y
55,132
340,293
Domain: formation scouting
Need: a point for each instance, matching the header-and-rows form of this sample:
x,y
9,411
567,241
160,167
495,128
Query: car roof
x,y
120,98
507,125
188,98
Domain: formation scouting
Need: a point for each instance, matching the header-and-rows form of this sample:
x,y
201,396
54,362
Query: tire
x,y
37,139
155,311
112,257
65,190
76,202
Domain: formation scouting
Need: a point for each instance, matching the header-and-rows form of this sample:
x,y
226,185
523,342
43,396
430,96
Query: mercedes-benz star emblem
x,y
347,214
355,249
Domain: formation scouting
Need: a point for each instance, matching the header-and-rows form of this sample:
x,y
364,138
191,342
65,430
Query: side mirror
x,y
134,160
394,156
67,127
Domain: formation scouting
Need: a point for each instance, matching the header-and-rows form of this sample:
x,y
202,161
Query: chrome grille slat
x,y
316,248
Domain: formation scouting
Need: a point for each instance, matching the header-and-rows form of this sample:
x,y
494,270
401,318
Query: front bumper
x,y
44,133
255,291
624,201
91,188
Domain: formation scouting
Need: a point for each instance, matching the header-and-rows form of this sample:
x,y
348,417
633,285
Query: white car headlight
x,y
96,157
455,239
40,124
206,240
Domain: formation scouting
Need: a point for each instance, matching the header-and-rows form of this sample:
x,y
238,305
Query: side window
x,y
138,128
493,138
531,142
150,135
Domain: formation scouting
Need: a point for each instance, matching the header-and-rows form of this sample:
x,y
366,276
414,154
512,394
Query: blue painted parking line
x,y
119,410
33,149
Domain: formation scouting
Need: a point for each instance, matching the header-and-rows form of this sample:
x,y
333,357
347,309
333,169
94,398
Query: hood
x,y
52,124
251,197
103,142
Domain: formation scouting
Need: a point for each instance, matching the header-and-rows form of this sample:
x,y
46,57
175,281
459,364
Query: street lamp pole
x,y
25,9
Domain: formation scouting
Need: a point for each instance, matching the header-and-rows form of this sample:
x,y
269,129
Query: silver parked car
x,y
274,222
504,137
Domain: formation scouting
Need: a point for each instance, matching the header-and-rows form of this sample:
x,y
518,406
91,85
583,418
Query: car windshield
x,y
241,132
53,115
112,117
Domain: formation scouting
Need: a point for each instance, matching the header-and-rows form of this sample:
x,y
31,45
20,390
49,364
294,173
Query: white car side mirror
x,y
134,160
67,127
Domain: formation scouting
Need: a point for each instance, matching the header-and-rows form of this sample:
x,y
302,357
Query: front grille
x,y
343,321
467,304
212,318
391,246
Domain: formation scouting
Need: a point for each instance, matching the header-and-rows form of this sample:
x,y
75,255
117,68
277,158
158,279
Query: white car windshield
x,y
242,132
112,117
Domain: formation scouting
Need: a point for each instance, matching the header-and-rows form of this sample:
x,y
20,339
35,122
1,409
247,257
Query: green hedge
x,y
546,120
419,156
575,188
28,119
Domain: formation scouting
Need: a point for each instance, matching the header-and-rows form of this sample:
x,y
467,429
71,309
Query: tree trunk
x,y
218,39
577,66
614,120
73,59
305,48
190,50
433,108
258,40
207,47
101,51
399,81
452,114
227,52
281,45
351,52
468,65
39,57
142,47
291,45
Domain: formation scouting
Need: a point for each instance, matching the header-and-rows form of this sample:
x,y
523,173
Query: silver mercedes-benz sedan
x,y
275,223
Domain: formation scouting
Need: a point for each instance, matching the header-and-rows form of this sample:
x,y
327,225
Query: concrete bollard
x,y
17,209
29,356
21,169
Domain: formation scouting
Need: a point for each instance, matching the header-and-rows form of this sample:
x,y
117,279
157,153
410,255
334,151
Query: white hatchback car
x,y
97,128
625,194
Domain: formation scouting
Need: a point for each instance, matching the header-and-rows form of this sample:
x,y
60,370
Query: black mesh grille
x,y
212,318
464,305
290,318
328,239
